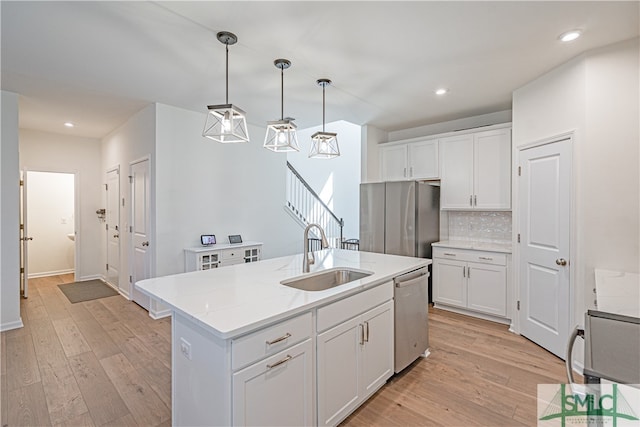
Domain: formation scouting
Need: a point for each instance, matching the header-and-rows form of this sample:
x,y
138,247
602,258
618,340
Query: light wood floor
x,y
106,362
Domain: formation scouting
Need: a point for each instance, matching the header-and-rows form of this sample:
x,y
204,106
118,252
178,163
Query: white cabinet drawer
x,y
255,346
347,308
232,253
484,257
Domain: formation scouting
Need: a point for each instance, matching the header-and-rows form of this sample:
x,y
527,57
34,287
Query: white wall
x,y
132,141
50,218
337,180
207,187
370,161
49,152
597,95
9,214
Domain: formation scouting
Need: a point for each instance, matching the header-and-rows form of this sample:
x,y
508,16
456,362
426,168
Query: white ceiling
x,y
97,63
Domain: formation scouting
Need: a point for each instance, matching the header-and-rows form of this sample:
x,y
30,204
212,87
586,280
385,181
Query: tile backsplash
x,y
493,227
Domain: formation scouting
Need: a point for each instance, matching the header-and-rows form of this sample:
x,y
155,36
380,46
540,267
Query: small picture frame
x,y
235,238
207,239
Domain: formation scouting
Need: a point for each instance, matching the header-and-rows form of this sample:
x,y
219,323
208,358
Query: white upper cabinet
x,y
409,161
476,170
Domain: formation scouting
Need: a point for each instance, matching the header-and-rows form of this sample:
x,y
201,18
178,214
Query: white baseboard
x,y
11,325
471,313
155,315
91,277
49,273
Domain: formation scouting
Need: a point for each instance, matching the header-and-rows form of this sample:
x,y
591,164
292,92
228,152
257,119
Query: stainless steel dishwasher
x,y
411,317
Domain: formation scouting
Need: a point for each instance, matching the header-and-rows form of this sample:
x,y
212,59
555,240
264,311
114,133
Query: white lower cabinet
x,y
355,358
469,279
275,391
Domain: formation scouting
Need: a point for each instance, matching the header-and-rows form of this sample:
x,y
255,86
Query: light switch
x,y
185,348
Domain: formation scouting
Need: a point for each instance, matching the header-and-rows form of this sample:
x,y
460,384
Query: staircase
x,y
306,207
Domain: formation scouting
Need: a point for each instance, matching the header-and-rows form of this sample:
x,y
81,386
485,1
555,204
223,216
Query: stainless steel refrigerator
x,y
400,218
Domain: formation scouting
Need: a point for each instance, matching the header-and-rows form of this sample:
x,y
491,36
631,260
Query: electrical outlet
x,y
185,348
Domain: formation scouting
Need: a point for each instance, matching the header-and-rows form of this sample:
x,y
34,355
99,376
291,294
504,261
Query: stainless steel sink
x,y
325,279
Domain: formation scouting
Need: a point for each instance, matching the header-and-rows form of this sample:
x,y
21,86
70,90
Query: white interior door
x,y
24,239
113,227
545,214
140,228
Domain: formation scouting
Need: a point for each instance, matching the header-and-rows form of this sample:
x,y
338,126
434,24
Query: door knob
x,y
145,243
561,261
115,236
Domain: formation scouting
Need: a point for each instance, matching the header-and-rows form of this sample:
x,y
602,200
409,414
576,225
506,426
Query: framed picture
x,y
207,239
235,238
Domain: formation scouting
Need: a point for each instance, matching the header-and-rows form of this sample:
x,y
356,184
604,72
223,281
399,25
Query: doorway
x,y
48,225
545,243
113,228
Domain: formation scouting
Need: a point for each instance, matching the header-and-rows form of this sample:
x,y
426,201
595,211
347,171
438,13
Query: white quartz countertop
x,y
237,299
618,292
470,244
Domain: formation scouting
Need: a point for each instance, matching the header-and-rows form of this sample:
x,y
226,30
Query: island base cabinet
x,y
355,359
276,391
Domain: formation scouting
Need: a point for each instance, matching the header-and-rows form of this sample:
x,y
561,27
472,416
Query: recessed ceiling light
x,y
69,124
570,35
441,91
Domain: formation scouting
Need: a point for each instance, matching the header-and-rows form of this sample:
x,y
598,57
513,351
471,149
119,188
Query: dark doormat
x,y
86,291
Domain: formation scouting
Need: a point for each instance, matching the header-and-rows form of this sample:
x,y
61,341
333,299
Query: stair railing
x,y
307,207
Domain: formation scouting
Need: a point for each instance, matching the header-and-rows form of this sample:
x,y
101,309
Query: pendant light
x,y
324,145
226,123
281,134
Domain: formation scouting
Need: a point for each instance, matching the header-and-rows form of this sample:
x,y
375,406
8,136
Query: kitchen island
x,y
248,350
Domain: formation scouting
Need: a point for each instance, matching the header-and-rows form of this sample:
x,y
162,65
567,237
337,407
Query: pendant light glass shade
x,y
281,134
324,145
226,123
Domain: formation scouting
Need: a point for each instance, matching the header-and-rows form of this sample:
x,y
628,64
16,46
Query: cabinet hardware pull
x,y
145,243
366,336
448,254
463,273
404,173
277,340
468,272
411,171
470,200
486,258
475,200
361,334
280,362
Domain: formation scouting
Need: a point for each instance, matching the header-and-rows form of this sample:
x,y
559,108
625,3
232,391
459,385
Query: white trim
x,y
16,324
569,135
503,320
106,230
51,273
446,134
159,314
91,277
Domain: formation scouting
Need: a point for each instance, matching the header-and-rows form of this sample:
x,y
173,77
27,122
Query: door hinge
x,y
518,237
21,270
519,171
106,227
518,305
107,265
130,279
21,182
106,187
21,226
131,229
123,201
130,179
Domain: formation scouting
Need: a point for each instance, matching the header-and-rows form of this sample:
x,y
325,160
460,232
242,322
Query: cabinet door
x,y
338,371
487,288
492,169
377,358
393,163
450,282
276,391
423,160
456,172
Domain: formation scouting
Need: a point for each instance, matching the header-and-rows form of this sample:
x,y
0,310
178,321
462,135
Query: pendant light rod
x,y
324,83
282,64
227,38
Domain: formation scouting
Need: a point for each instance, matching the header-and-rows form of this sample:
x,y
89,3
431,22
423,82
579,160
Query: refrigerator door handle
x,y
402,284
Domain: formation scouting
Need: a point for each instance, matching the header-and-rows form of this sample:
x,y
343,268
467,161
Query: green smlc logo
x,y
589,405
